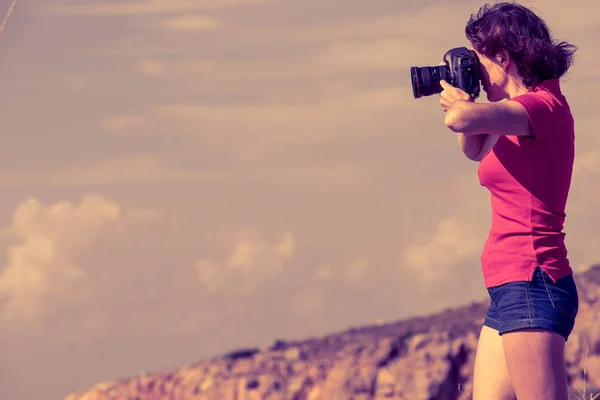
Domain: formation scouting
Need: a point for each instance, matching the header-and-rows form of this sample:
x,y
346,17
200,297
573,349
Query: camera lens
x,y
426,80
417,80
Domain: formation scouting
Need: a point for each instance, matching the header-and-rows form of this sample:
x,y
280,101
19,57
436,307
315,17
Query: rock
x,y
424,358
292,354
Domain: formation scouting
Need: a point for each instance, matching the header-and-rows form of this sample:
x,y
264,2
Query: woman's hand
x,y
450,94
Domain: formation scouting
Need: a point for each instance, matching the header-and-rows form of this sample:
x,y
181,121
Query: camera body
x,y
461,70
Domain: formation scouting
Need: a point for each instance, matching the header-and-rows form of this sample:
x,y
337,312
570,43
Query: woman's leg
x,y
536,364
536,319
491,380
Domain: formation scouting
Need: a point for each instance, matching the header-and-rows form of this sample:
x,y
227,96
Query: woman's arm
x,y
470,118
474,147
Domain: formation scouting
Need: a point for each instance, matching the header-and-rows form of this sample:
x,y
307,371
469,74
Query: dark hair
x,y
525,36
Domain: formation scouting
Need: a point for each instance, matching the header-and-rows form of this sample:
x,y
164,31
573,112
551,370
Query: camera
x,y
461,70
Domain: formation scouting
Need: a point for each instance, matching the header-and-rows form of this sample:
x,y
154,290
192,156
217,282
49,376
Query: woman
x,y
525,146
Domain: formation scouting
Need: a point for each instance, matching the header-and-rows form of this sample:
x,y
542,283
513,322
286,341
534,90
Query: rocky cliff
x,y
428,358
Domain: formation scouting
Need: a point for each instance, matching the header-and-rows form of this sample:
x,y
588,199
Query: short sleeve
x,y
541,110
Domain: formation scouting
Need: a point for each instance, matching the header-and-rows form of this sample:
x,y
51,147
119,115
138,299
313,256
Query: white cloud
x,y
139,8
157,170
335,110
587,162
251,262
453,242
116,171
355,271
285,249
324,273
309,301
43,269
150,68
191,23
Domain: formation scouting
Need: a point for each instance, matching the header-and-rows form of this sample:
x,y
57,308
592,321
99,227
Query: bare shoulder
x,y
502,118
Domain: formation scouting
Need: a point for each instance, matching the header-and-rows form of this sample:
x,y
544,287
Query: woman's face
x,y
494,76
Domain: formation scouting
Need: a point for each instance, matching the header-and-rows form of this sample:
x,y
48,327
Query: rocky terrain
x,y
426,358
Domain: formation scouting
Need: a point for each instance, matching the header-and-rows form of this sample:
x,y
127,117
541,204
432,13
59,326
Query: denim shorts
x,y
539,303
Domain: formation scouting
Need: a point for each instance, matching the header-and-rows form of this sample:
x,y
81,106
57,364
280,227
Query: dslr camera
x,y
461,70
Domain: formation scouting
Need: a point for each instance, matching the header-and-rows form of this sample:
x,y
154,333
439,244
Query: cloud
x,y
324,273
252,132
251,262
453,242
247,129
191,23
110,172
155,170
43,270
141,8
350,273
149,68
403,30
310,301
77,82
49,269
279,103
280,97
587,162
321,65
356,271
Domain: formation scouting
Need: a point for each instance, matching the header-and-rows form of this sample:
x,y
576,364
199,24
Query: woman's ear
x,y
503,59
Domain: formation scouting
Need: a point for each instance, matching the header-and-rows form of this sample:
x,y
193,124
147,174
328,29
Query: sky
x,y
183,178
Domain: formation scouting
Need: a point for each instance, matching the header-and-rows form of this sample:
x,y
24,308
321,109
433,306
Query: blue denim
x,y
539,303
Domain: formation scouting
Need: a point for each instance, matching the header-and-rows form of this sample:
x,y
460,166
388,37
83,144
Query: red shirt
x,y
529,179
